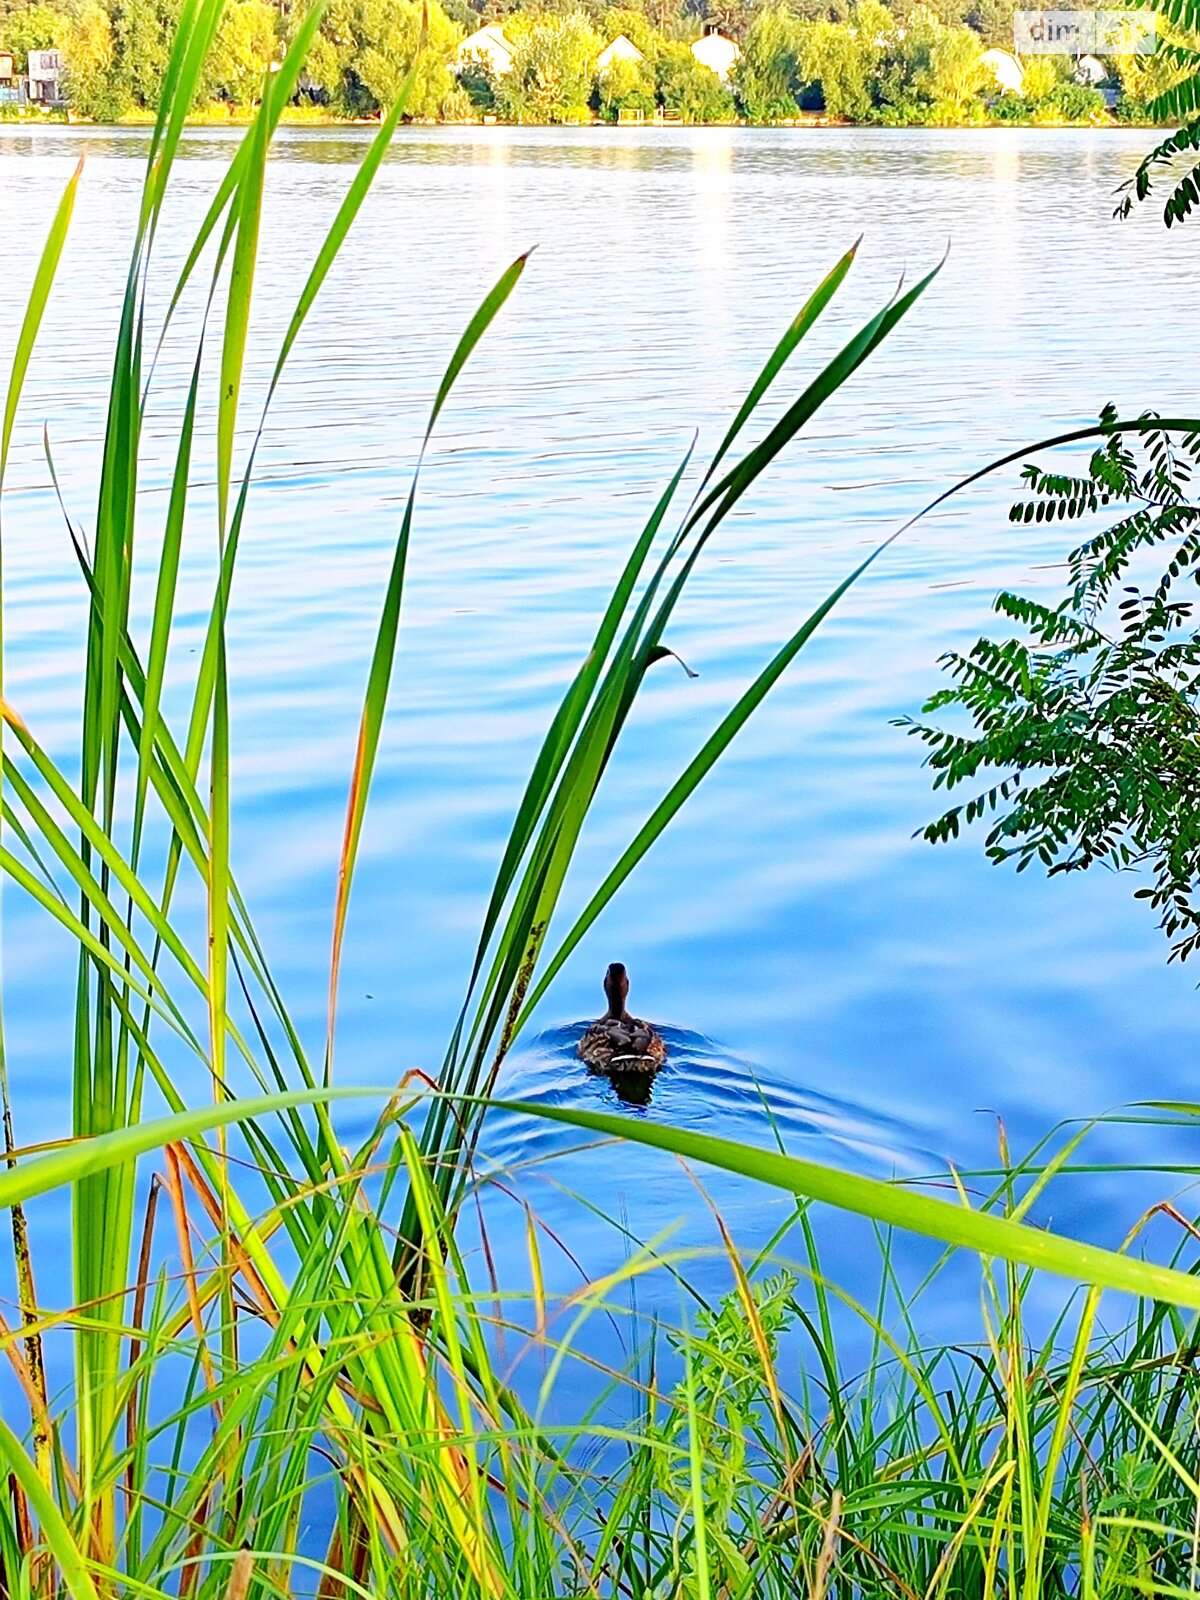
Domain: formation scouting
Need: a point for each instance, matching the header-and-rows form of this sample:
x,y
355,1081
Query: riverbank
x,y
315,117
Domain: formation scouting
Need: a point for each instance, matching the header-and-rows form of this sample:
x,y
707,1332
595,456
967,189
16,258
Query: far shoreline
x,y
240,121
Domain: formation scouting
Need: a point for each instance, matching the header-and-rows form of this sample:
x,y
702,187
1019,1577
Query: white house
x,y
486,44
1007,71
45,73
621,49
1090,69
717,53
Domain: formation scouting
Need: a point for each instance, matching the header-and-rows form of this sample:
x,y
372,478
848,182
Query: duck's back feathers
x,y
622,1044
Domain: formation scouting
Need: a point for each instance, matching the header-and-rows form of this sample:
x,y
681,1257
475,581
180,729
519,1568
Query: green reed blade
x,y
1096,431
55,1530
84,1158
190,48
283,85
801,323
22,352
959,1226
723,496
164,602
35,309
384,654
351,205
689,780
566,723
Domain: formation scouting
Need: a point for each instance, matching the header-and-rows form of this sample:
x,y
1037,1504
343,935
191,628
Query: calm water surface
x,y
865,994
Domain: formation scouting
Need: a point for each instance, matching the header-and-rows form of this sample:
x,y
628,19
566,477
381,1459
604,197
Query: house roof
x,y
489,41
1005,68
717,53
620,49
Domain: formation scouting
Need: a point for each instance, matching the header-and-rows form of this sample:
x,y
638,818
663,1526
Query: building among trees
x,y
717,52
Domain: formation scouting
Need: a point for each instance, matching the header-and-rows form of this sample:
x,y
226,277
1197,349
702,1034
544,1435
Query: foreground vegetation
x,y
286,1377
905,62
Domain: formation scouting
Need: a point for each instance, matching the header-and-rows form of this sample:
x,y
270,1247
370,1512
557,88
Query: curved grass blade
x,y
35,309
892,1205
56,1532
83,1158
39,295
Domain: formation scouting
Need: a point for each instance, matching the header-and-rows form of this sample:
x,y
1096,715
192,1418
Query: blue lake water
x,y
871,999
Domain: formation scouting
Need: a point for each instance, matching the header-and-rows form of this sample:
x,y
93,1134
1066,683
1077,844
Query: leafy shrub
x,y
767,79
1088,727
839,59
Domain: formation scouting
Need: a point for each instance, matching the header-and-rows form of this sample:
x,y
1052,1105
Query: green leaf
x,y
893,1206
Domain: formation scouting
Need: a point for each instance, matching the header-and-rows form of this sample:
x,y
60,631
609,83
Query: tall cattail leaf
x,y
383,656
164,601
693,774
282,86
801,323
35,308
39,295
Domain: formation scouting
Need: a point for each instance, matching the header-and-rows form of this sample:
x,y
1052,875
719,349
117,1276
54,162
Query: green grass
x,y
286,1378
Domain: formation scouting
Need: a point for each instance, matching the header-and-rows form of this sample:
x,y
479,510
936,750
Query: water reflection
x,y
631,1088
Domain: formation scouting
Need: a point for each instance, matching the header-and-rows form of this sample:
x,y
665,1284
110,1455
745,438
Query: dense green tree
x,y
245,46
552,71
636,26
625,86
90,50
142,34
366,48
689,90
839,60
30,27
767,78
930,72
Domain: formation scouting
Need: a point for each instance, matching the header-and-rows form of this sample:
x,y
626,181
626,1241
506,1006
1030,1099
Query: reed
x,y
286,1381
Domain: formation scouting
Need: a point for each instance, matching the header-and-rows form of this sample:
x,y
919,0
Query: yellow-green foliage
x,y
1042,77
366,48
689,90
625,86
840,58
635,25
89,48
767,76
552,71
245,46
32,27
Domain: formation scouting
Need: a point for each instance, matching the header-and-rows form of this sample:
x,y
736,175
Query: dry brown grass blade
x,y
240,1575
139,1315
183,1229
829,1544
33,1391
189,1571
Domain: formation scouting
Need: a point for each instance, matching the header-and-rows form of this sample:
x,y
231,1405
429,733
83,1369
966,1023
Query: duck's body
x,y
619,1043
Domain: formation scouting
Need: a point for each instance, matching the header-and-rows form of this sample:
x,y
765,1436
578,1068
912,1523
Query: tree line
x,y
910,62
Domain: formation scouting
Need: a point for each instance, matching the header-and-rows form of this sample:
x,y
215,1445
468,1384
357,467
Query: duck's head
x,y
616,987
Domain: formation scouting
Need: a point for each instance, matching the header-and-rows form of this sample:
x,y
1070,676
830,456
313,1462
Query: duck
x,y
618,1043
